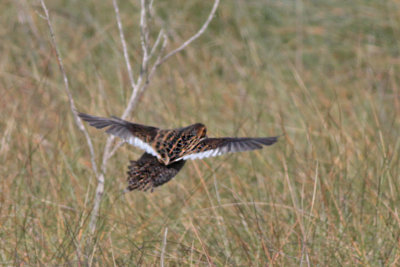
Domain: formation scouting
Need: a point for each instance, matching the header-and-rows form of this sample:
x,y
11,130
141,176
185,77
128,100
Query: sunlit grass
x,y
325,75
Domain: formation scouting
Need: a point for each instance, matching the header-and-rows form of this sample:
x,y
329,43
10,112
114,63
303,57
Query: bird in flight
x,y
166,150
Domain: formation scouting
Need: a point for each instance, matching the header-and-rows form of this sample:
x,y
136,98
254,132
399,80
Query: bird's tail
x,y
138,178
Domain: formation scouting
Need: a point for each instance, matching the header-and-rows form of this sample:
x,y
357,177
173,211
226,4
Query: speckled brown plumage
x,y
147,172
167,150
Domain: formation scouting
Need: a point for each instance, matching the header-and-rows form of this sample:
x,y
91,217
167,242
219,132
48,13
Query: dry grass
x,y
324,73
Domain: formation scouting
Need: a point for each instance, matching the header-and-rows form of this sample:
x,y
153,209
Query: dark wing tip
x,y
267,141
87,117
97,122
83,116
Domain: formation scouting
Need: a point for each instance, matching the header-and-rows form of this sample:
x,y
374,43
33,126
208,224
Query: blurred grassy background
x,y
325,73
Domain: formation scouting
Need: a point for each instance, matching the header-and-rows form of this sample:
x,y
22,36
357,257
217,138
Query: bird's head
x,y
197,129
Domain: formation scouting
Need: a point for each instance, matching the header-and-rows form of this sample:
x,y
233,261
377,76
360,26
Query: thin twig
x,y
159,58
144,34
115,148
97,200
134,87
124,47
78,121
151,7
163,247
194,37
157,42
108,151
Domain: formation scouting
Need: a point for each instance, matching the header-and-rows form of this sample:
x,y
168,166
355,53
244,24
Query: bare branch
x,y
97,200
106,153
163,247
115,148
78,121
157,42
134,86
122,37
159,58
194,37
151,7
136,89
144,34
141,84
144,40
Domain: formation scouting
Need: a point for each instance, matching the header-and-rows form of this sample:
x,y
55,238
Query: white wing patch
x,y
142,145
206,154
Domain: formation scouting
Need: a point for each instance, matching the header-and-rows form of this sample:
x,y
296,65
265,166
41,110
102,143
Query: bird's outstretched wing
x,y
135,134
211,147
